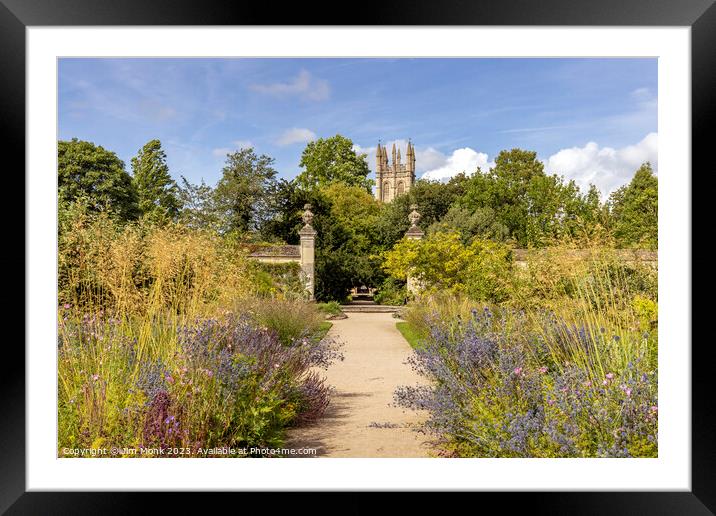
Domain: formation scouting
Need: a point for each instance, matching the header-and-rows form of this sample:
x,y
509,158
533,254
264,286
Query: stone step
x,y
370,308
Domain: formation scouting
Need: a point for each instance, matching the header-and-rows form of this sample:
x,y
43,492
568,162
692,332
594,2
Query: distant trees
x,y
241,197
157,192
469,220
197,205
634,210
434,200
331,160
529,206
89,173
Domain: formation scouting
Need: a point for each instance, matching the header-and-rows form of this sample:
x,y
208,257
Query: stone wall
x,y
520,257
303,254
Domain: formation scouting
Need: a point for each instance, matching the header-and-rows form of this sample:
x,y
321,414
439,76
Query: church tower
x,y
394,178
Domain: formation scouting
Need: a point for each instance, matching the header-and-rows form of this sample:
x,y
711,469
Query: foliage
x,y
95,176
552,276
157,192
530,205
481,223
344,218
289,320
149,354
433,199
634,210
281,280
506,384
241,196
207,383
197,205
329,160
391,292
442,262
330,308
138,267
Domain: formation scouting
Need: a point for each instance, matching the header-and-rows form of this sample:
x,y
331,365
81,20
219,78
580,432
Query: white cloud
x,y
642,95
605,167
221,151
304,86
243,144
426,158
465,160
296,135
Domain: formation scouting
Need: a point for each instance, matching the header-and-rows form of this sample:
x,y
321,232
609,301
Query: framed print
x,y
433,252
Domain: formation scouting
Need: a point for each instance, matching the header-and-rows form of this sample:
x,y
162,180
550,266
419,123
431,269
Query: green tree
x,y
534,207
441,261
197,205
634,210
157,192
481,223
330,160
345,221
241,197
433,199
90,172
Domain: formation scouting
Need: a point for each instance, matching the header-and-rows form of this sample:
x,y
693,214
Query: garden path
x,y
360,421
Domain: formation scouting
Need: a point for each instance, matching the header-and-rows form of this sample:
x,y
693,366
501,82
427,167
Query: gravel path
x,y
360,421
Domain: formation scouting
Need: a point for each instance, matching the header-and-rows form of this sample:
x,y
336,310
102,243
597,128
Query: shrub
x,y
329,308
501,389
289,320
441,261
217,382
391,292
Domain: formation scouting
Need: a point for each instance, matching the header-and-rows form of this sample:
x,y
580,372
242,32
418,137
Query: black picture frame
x,y
16,15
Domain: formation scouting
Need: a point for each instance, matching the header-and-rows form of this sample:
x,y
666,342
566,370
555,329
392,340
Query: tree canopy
x,y
635,210
470,221
91,173
157,192
241,196
531,206
330,160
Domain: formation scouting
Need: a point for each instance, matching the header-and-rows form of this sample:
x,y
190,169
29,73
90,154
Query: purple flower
x,y
518,371
610,376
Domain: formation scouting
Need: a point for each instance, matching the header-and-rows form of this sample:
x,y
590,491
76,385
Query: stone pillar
x,y
308,252
413,233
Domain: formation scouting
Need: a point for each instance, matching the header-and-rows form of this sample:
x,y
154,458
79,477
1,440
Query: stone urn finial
x,y
414,232
307,215
414,216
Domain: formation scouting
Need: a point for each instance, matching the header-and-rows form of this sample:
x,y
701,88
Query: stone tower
x,y
395,178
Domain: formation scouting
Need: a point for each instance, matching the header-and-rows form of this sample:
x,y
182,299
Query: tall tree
x,y
157,192
197,205
534,207
331,160
92,173
241,195
634,210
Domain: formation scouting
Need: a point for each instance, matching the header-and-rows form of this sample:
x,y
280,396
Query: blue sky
x,y
592,120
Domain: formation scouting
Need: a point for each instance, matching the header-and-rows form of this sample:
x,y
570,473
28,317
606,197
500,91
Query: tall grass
x,y
162,342
568,369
